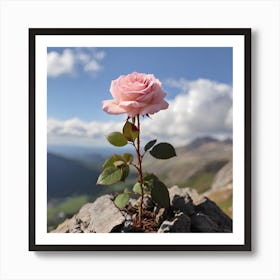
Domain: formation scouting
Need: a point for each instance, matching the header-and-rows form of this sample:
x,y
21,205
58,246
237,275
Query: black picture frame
x,y
245,32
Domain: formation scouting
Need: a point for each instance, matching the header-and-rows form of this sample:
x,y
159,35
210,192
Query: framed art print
x,y
140,139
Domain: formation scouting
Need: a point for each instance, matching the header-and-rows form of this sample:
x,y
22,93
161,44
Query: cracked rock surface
x,y
188,212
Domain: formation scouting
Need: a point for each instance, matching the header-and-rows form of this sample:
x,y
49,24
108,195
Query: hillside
x,y
67,177
194,166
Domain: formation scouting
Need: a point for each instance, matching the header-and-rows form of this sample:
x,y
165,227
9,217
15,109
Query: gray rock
x,y
127,226
101,216
210,208
148,203
189,195
180,223
133,202
69,225
105,215
189,212
184,204
202,223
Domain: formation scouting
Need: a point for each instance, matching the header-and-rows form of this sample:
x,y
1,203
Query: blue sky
x,y
79,79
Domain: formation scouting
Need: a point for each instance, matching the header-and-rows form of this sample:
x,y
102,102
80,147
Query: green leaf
x,y
126,190
160,194
130,131
150,144
109,176
163,151
121,200
128,158
119,163
117,139
149,180
110,161
125,172
137,188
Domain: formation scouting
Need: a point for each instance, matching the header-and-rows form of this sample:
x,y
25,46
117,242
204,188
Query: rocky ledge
x,y
188,212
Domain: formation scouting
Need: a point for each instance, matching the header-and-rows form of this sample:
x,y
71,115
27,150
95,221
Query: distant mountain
x,y
92,157
66,177
84,151
201,141
68,150
74,170
195,164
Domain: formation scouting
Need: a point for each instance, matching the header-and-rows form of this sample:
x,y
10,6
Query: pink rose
x,y
134,94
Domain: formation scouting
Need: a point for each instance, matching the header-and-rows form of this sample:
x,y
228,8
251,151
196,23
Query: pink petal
x,y
111,107
154,108
132,113
134,104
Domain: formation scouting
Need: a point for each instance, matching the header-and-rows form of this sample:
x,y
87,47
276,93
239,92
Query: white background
x,y
16,262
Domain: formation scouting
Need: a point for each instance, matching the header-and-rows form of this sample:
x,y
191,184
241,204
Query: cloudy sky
x,y
198,83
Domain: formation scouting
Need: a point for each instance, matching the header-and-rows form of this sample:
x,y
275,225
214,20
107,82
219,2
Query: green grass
x,y
226,206
201,181
226,203
73,204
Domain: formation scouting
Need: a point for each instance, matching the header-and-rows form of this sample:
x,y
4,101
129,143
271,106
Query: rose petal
x,y
111,107
158,95
133,112
114,89
154,108
134,104
155,95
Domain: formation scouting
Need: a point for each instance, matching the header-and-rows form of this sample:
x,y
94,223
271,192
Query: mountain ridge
x,y
67,177
79,173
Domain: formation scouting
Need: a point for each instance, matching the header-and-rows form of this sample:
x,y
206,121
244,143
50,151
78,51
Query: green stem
x,y
140,178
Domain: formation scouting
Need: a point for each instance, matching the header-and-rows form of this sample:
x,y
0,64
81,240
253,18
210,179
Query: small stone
x,y
133,202
148,203
127,226
183,204
180,223
128,217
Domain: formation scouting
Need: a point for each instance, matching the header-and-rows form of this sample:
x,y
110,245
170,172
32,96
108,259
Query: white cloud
x,y
202,108
92,66
181,84
70,61
75,131
99,54
59,64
